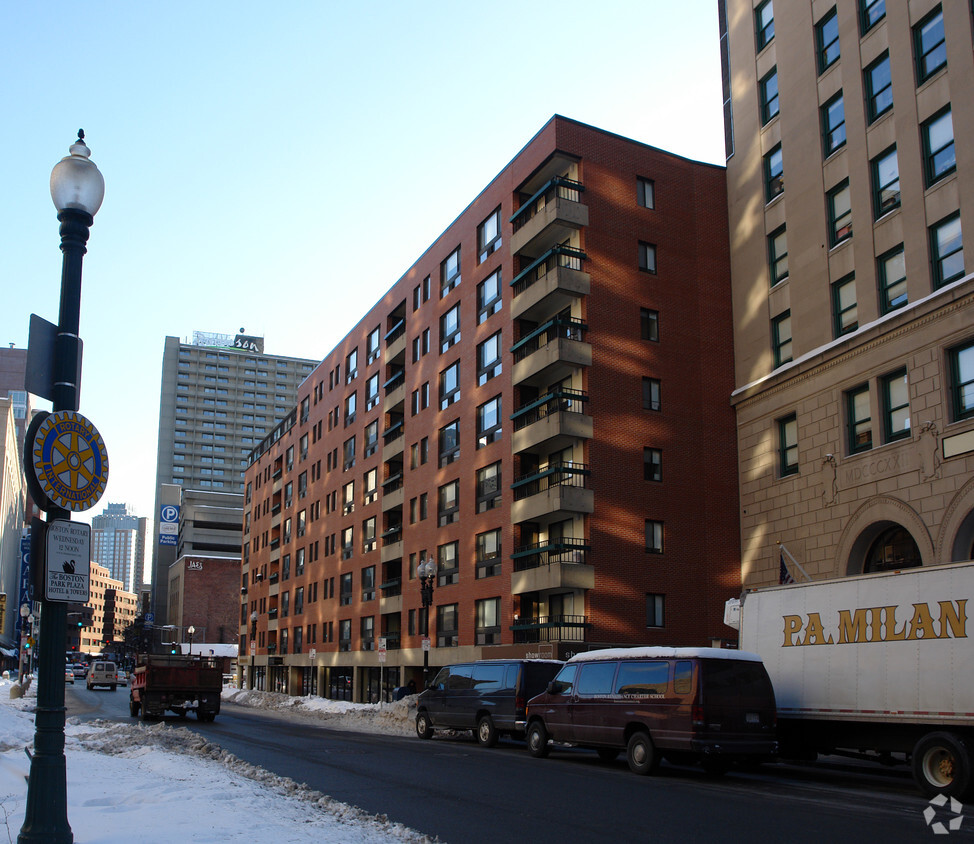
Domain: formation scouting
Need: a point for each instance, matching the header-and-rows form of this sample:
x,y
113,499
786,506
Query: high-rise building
x,y
118,544
12,497
850,175
539,406
220,396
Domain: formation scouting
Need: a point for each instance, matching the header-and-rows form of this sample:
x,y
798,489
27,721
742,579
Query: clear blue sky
x,y
279,166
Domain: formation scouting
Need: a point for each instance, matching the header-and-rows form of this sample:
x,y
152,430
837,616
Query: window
x,y
938,147
879,88
368,535
368,583
651,394
447,635
646,192
372,392
788,445
448,506
488,487
886,182
845,313
488,626
778,255
647,257
348,451
871,12
781,338
833,124
489,422
649,324
769,96
488,358
299,600
345,589
350,405
896,406
962,381
371,438
840,213
370,486
764,23
449,385
372,346
827,32
367,629
489,235
774,180
488,553
654,537
930,47
652,464
348,541
860,421
450,272
345,633
655,611
947,251
448,564
489,296
351,366
892,280
450,328
450,442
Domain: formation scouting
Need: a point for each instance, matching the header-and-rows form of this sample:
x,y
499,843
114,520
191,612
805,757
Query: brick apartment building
x,y
541,405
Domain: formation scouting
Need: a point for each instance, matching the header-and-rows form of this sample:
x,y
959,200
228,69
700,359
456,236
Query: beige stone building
x,y
850,182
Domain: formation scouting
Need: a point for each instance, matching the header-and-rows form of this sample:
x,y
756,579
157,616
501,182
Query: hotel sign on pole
x,y
168,524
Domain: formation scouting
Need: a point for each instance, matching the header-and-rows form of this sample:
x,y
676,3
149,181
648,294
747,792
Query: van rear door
x,y
737,695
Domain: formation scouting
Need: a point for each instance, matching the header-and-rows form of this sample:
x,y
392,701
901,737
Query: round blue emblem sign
x,y
70,461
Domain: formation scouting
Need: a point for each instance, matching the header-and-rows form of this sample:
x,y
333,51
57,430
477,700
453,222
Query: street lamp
x,y
253,645
191,630
77,189
426,572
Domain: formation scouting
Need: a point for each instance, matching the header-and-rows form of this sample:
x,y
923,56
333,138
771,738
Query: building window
x,y
448,566
652,464
449,385
450,328
649,324
372,392
938,147
348,543
348,453
345,634
370,489
448,504
647,257
350,406
651,394
488,487
372,346
655,610
488,630
450,272
774,178
871,12
778,255
488,553
489,296
368,583
896,406
781,338
788,445
367,629
833,124
764,23
827,33
488,359
947,251
654,537
845,313
371,438
646,192
447,635
892,280
345,589
930,46
886,182
489,422
860,420
449,443
351,366
879,88
489,236
840,213
769,96
962,381
368,535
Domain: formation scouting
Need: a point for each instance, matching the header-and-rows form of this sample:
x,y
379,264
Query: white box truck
x,y
878,666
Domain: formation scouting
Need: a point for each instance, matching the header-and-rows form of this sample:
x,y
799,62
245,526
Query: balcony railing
x,y
393,535
550,628
395,332
395,381
558,187
557,401
565,550
392,483
558,256
391,588
393,432
559,474
393,640
555,329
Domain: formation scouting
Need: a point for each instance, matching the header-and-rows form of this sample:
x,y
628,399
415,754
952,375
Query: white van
x,y
101,673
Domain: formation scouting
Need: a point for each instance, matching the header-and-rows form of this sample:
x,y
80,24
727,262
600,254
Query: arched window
x,y
893,549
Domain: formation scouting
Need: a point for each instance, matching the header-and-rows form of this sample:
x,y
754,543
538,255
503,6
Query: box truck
x,y
877,666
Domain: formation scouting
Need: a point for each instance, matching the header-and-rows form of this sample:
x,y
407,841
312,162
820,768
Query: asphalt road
x,y
453,789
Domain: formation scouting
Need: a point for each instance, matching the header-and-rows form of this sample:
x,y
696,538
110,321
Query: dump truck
x,y
175,683
877,666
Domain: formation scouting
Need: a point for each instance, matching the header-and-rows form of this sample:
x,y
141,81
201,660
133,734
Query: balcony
x,y
552,564
554,420
551,352
395,341
553,628
390,603
552,214
392,496
552,494
550,284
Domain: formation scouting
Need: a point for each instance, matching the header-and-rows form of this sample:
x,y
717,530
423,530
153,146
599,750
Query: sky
x,y
278,168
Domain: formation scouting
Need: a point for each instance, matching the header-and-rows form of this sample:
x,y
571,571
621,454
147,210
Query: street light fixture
x,y
426,572
191,630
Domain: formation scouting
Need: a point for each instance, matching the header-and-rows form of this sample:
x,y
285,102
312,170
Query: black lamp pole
x,y
427,581
77,188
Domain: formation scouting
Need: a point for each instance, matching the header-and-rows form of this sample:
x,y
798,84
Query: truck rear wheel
x,y
942,765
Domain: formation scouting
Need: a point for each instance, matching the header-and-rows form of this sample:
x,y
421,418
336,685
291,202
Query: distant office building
x,y
110,608
220,396
118,544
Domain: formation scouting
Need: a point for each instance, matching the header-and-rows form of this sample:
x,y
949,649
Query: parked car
x,y
702,705
102,673
488,696
68,675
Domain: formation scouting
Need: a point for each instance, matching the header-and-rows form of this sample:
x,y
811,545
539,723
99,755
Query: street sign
x,y
426,643
70,463
382,649
168,524
67,564
149,618
253,647
312,653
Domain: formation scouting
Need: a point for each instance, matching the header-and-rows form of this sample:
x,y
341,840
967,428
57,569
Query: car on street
x,y
122,677
79,669
68,675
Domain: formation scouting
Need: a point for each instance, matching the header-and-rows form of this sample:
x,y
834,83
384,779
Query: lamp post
x,y
253,645
77,189
24,613
426,572
191,630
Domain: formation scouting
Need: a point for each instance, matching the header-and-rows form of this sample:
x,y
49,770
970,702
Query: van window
x,y
595,678
488,678
683,677
510,681
642,678
735,683
442,679
564,683
460,678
